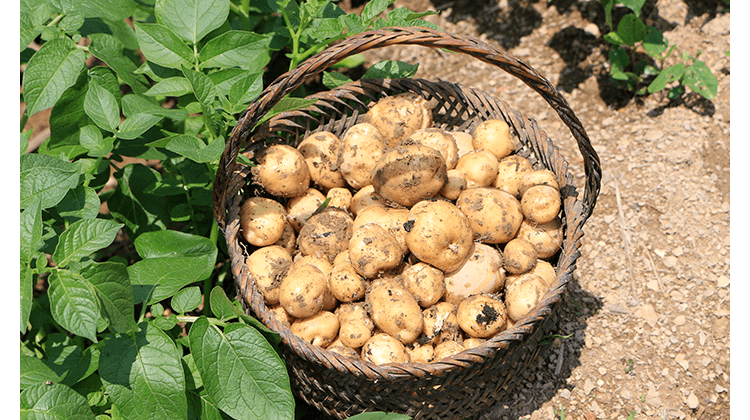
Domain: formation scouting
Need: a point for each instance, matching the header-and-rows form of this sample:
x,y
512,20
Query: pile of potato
x,y
399,242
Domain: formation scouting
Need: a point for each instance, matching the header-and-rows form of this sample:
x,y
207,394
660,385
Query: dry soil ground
x,y
646,323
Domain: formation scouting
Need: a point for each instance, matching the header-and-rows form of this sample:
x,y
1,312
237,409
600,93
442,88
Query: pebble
x,y
592,29
588,385
670,261
602,370
692,401
723,281
679,320
565,393
680,359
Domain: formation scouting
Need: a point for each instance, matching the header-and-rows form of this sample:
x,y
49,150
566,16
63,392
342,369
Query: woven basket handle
x,y
355,44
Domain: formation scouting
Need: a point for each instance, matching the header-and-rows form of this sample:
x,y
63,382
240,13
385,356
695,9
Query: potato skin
x,y
481,273
364,198
382,348
356,326
520,256
303,290
363,146
440,140
481,316
301,207
447,348
318,330
346,284
392,220
409,173
321,151
524,294
372,250
539,177
267,267
493,136
262,220
511,170
326,234
425,282
541,203
394,310
495,215
440,323
479,167
282,171
438,233
546,237
396,117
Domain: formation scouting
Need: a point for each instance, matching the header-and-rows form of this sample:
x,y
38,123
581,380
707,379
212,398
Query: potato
x,y
464,142
493,136
321,151
540,203
425,282
440,323
303,291
356,325
481,273
447,348
424,353
267,267
481,316
262,221
300,208
344,351
394,310
440,140
409,173
339,198
323,265
479,168
382,349
364,198
288,239
372,250
524,294
396,117
363,145
318,330
511,170
326,234
438,233
545,270
520,256
346,284
282,171
540,177
455,184
495,215
389,219
472,342
546,237
282,315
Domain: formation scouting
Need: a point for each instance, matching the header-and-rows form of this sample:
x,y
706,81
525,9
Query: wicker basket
x,y
466,384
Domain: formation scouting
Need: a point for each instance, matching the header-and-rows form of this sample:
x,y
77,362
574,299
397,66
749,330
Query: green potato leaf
x,y
236,49
186,299
54,401
52,70
699,79
92,139
34,371
191,20
102,107
194,149
45,179
112,285
162,46
114,10
110,50
79,203
172,86
73,303
390,69
70,362
666,76
132,205
83,238
31,231
27,295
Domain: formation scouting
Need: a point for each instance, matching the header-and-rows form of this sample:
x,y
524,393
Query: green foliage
x,y
131,313
633,35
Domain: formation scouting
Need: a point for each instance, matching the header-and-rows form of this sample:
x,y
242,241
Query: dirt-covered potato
x,y
262,221
409,173
520,256
326,234
464,142
382,349
288,239
481,273
511,170
321,151
481,316
363,145
346,284
303,291
495,215
455,184
282,315
546,237
425,282
318,330
282,171
447,348
396,117
364,198
300,208
479,168
541,203
372,250
545,270
339,198
440,140
356,325
438,233
394,310
344,351
323,264
440,323
424,353
389,219
493,136
523,294
472,342
539,177
267,267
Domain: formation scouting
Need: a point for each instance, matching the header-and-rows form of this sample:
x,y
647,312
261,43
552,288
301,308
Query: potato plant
x,y
126,306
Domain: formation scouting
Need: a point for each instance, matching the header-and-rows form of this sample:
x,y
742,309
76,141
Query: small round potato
x,y
382,349
425,282
546,237
541,203
364,198
545,270
440,140
520,256
510,171
372,250
394,310
356,325
282,315
339,198
323,264
455,184
424,353
447,348
321,151
472,342
344,351
389,219
540,177
481,273
326,234
463,142
440,323
495,215
438,233
318,330
481,316
300,208
262,220
363,145
409,173
493,136
282,171
479,168
396,117
303,291
346,284
267,267
524,294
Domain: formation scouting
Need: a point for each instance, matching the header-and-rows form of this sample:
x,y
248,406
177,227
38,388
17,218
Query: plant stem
x,y
55,20
211,320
